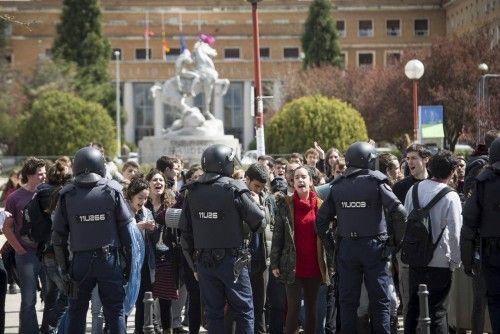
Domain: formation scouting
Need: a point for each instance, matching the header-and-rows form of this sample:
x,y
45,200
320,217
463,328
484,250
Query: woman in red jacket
x,y
297,255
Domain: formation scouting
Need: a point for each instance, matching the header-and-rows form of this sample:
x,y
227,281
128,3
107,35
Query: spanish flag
x,y
165,46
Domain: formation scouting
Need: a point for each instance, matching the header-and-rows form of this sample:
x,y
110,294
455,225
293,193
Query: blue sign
x,y
431,114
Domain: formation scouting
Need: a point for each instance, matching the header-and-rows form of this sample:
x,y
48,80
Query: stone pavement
x,y
12,303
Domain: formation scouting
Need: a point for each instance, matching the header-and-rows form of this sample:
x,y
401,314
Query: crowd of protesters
x,y
303,295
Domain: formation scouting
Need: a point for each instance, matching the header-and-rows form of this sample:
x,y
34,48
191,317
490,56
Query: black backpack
x,y
417,248
37,224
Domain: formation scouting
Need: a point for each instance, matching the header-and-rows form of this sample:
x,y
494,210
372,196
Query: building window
x,y
48,53
113,55
365,59
365,28
265,53
172,54
233,110
422,27
143,110
232,53
8,58
291,53
393,27
120,23
340,25
392,58
141,54
343,60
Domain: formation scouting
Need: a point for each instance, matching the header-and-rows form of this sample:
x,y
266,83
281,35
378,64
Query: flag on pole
x,y
148,33
182,42
165,46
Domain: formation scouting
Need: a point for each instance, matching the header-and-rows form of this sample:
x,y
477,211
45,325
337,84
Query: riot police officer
x,y
217,213
92,212
481,219
361,199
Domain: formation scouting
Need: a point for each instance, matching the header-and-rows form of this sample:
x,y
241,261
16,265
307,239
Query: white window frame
x,y
232,58
387,52
399,32
343,33
372,30
346,59
358,53
290,58
428,27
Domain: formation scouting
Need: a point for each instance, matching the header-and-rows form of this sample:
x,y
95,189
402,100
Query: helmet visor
x,y
236,161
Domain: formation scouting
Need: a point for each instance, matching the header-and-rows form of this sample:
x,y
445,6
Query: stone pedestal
x,y
189,147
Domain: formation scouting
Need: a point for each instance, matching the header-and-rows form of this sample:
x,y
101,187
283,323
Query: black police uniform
x,y
93,214
213,239
482,218
357,199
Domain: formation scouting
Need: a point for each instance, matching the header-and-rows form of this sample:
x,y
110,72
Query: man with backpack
x,y
437,244
417,158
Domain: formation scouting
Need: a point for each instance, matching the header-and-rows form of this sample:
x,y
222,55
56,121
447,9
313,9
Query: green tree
x,y
51,75
60,123
300,122
320,38
80,40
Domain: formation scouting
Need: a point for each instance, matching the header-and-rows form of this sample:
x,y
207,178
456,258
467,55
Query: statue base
x,y
188,147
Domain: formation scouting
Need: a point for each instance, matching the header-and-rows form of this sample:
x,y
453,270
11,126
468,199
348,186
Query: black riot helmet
x,y
218,159
495,154
89,165
361,155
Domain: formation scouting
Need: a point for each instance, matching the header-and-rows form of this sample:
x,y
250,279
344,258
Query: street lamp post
x,y
482,93
414,69
117,115
259,115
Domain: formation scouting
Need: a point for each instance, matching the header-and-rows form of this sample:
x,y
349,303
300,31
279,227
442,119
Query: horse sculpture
x,y
203,54
187,82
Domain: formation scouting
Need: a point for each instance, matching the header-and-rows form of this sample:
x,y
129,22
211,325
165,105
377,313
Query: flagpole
x,y
146,36
163,40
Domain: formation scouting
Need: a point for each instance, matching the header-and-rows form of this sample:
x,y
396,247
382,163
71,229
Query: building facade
x,y
373,34
466,15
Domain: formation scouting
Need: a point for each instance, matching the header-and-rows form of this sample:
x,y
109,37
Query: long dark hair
x,y
137,184
58,175
168,196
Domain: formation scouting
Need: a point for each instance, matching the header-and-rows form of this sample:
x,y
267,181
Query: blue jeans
x,y
103,268
217,286
28,269
55,302
331,307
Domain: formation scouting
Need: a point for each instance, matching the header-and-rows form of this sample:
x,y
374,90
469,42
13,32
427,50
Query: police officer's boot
x,y
363,325
394,324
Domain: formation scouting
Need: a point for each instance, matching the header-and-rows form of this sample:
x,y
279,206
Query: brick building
x,y
373,33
